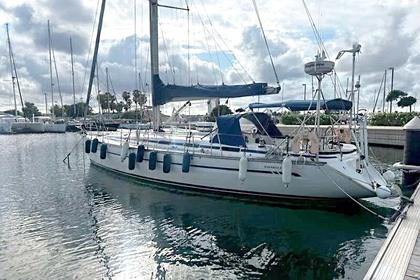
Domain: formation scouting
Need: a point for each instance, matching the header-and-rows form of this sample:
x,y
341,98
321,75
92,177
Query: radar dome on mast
x,y
319,66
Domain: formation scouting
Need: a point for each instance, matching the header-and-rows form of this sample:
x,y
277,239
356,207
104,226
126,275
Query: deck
x,y
399,257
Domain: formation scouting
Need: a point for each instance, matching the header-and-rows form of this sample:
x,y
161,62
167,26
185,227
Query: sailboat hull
x,y
27,127
5,128
263,177
55,127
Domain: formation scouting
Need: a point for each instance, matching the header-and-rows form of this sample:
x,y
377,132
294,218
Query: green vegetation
x,y
406,101
391,119
219,110
402,98
292,118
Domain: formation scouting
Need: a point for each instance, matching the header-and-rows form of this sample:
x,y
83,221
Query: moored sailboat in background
x,y
51,124
18,123
259,162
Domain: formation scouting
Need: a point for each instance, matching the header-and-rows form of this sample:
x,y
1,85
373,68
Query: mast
x,y
11,69
107,89
95,56
46,104
154,58
98,91
72,78
51,77
14,74
384,99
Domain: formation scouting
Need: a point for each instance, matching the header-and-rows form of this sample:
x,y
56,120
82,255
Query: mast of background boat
x,y
51,77
11,69
72,78
14,74
354,50
98,91
107,89
95,57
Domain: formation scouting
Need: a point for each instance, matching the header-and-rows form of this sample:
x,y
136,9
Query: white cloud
x,y
387,30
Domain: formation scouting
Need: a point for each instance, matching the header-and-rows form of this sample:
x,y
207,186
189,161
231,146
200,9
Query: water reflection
x,y
151,233
54,225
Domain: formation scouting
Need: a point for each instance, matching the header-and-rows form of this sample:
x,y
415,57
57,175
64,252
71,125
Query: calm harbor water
x,y
60,222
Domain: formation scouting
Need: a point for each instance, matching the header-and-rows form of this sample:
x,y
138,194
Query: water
x,y
81,222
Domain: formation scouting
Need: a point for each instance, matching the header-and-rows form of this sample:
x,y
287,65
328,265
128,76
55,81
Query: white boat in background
x,y
20,124
50,126
204,126
5,127
255,160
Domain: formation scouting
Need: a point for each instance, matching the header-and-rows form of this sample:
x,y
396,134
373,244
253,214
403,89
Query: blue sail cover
x,y
167,93
337,104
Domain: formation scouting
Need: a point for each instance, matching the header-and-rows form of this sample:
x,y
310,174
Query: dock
x,y
399,256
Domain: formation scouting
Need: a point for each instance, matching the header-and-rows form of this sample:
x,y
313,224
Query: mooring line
x,y
354,200
68,155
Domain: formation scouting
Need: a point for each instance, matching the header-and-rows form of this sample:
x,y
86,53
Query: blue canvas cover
x,y
337,104
229,131
264,123
167,93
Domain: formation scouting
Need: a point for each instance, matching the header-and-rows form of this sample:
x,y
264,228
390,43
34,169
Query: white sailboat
x,y
254,160
19,124
52,124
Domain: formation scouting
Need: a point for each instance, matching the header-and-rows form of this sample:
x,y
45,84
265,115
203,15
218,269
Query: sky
x,y
214,42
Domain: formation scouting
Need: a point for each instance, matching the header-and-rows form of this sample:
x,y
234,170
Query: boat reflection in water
x,y
145,231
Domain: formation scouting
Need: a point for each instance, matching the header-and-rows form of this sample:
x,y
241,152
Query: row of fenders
x,y
133,158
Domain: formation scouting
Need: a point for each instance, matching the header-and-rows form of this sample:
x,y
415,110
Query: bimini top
x,y
337,104
167,93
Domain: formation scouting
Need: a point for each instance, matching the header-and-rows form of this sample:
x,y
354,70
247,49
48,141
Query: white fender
x,y
286,170
389,176
383,192
243,168
124,151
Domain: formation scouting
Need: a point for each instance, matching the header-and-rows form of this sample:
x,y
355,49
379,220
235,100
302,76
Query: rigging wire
x,y
167,57
215,45
211,58
321,44
265,40
226,46
379,92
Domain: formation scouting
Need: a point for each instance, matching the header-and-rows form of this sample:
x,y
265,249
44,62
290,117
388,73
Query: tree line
x,y
107,104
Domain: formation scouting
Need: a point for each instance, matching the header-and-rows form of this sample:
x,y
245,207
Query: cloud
x,y
388,32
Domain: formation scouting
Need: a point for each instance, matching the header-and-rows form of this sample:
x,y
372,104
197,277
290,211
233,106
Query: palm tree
x,y
127,99
394,95
406,101
139,99
107,101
